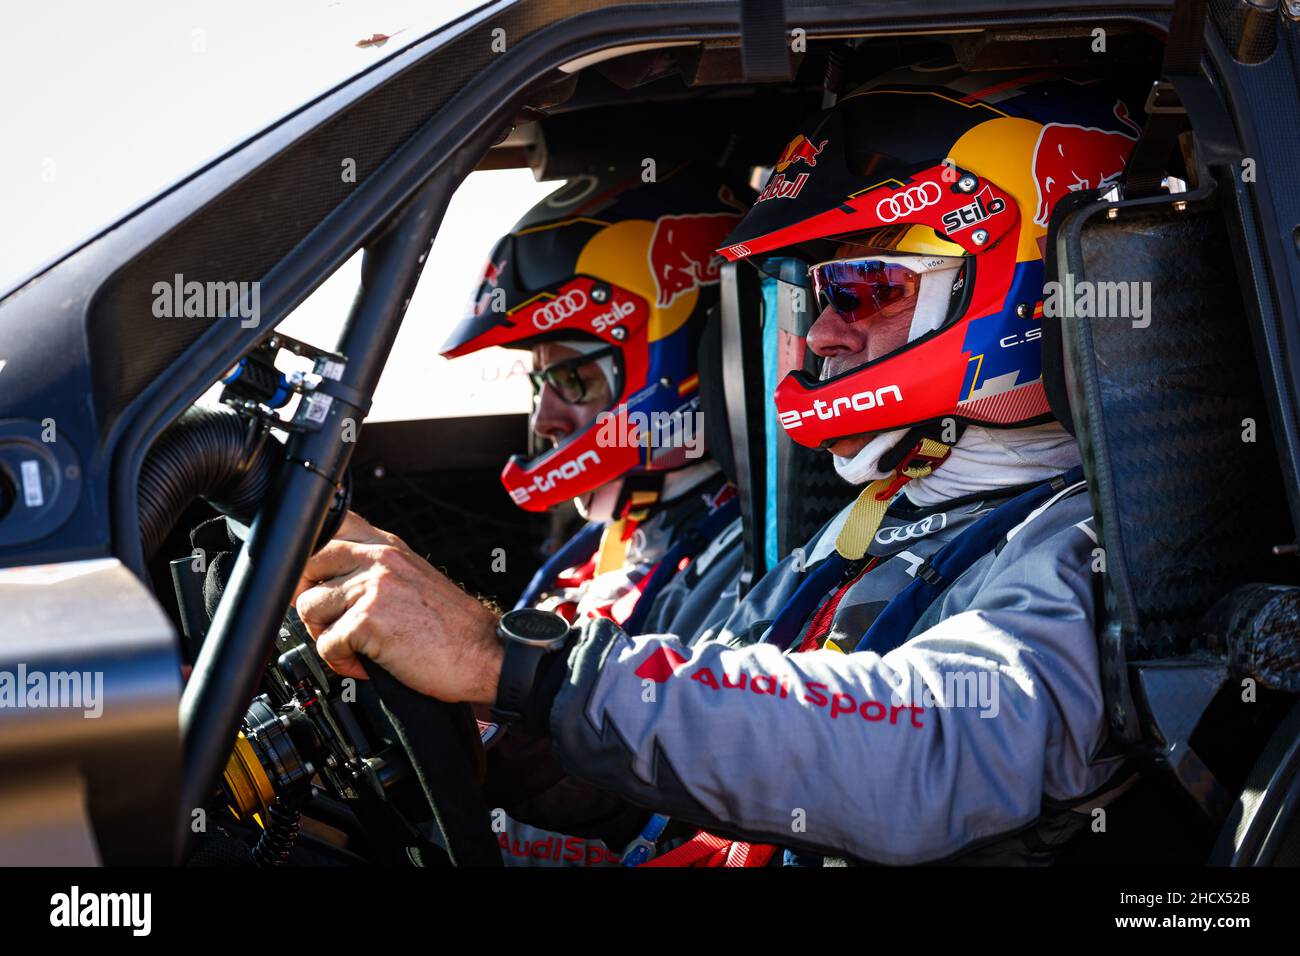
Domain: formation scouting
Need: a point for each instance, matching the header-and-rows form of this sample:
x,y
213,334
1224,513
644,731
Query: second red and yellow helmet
x,y
612,260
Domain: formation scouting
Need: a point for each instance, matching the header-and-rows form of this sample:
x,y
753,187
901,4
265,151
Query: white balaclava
x,y
985,459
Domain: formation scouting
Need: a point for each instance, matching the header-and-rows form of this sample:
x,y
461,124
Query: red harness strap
x,y
705,849
820,625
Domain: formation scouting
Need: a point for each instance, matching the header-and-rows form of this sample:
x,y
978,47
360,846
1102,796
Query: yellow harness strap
x,y
869,510
613,547
612,553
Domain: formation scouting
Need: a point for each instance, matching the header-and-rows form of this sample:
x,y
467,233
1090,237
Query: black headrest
x,y
713,399
1055,382
1170,414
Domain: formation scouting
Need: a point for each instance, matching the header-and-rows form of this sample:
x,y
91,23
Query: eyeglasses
x,y
565,379
860,289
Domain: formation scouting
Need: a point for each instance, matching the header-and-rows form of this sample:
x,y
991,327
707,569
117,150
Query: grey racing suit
x,y
984,729
525,844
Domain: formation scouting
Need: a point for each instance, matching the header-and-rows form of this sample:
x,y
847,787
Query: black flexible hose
x,y
281,833
209,453
206,453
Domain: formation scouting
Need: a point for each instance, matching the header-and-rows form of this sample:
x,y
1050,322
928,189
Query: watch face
x,y
534,627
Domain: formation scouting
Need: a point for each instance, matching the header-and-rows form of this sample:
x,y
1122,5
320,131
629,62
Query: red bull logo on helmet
x,y
778,187
799,150
491,282
1069,158
682,253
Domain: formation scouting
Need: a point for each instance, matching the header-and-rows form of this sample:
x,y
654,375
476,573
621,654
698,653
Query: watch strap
x,y
518,669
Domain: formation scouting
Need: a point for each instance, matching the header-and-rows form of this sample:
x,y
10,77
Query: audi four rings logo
x,y
558,309
897,534
911,199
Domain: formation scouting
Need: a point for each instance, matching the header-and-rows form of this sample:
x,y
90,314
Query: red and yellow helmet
x,y
631,265
932,161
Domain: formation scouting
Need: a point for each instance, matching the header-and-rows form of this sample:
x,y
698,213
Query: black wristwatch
x,y
528,635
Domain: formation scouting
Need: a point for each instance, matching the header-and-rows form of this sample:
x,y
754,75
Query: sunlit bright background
x,y
106,104
417,382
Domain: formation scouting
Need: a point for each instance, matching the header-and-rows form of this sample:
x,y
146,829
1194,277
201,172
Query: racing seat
x,y
1185,482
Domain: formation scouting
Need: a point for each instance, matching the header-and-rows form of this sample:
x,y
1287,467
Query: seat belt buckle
x,y
1163,98
927,573
638,852
646,845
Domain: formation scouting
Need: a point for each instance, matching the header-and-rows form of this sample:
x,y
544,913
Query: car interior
x,y
1197,551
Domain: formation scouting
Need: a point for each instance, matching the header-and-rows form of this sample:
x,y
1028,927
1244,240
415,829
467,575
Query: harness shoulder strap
x,y
690,545
895,622
847,560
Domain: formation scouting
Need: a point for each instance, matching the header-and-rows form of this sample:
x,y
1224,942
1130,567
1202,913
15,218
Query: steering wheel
x,y
442,742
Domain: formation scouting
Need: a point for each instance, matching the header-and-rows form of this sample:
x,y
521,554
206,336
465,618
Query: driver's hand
x,y
367,593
